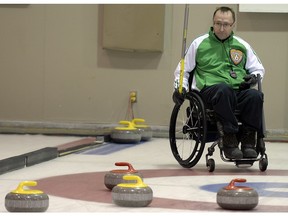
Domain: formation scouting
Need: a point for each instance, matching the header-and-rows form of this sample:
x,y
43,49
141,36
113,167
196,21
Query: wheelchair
x,y
192,126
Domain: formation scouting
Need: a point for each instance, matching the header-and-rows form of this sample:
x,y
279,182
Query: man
x,y
225,67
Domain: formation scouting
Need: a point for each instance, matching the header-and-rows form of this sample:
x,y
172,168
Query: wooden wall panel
x,y
136,28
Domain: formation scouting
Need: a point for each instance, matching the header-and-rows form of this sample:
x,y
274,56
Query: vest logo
x,y
236,56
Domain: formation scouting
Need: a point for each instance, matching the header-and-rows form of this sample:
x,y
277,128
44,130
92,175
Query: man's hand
x,y
178,97
249,81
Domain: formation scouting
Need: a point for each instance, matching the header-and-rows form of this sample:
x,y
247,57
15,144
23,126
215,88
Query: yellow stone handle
x,y
138,120
139,183
129,126
20,189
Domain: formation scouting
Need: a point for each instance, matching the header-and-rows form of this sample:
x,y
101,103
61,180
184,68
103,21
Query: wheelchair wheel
x,y
210,165
263,164
187,131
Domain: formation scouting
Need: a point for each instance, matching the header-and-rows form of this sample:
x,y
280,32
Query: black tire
x,y
187,131
210,165
263,164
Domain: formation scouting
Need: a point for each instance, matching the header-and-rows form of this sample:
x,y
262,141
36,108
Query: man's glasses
x,y
225,25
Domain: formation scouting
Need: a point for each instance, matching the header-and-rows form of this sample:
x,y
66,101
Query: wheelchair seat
x,y
193,125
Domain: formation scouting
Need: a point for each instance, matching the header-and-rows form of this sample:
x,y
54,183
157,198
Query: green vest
x,y
217,61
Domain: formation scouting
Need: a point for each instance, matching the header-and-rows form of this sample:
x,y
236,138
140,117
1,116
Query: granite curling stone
x,y
237,197
146,131
132,194
128,134
21,200
115,177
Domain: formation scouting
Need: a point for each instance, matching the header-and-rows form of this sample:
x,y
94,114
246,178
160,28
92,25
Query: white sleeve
x,y
189,62
189,65
253,63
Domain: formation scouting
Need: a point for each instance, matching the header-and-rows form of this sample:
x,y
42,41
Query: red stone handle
x,y
232,186
129,170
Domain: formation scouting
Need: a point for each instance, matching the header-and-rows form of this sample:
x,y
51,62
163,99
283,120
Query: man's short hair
x,y
225,9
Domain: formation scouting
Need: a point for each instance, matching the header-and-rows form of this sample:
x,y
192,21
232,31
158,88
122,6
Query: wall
x,y
54,70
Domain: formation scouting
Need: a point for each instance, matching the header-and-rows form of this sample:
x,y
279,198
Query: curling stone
x,y
128,134
115,177
237,197
146,131
132,194
21,200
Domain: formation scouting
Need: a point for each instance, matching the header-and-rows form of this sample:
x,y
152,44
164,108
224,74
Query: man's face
x,y
223,24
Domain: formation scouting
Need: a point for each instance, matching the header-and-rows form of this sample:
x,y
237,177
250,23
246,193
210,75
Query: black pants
x,y
224,101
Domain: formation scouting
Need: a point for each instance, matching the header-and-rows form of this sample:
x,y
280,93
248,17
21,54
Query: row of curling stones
x,y
115,177
25,200
234,197
132,133
130,194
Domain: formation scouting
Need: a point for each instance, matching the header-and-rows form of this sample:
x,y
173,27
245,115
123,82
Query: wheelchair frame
x,y
192,126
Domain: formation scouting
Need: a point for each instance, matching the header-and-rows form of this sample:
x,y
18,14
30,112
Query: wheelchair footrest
x,y
244,163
